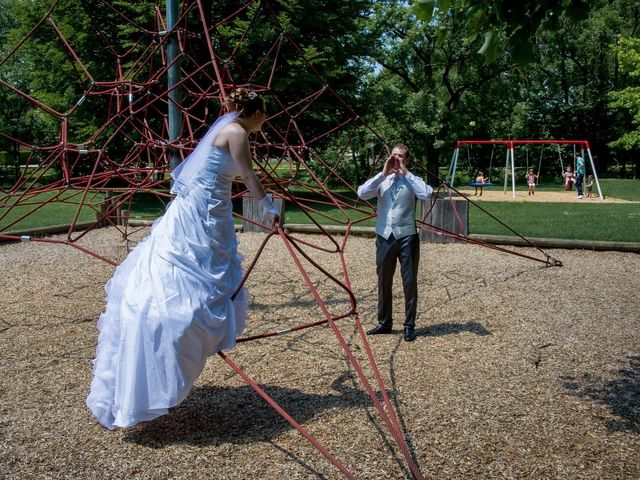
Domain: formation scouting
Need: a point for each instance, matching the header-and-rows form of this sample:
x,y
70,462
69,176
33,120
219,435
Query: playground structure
x,y
510,160
150,115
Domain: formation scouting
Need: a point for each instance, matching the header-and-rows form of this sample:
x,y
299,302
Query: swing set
x,y
510,168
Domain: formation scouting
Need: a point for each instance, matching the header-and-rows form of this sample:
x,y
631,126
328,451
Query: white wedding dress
x,y
169,304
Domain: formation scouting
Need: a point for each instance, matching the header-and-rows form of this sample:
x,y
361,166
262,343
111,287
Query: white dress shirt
x,y
396,202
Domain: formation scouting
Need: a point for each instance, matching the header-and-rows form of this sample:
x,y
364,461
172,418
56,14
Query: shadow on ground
x,y
621,395
452,329
215,415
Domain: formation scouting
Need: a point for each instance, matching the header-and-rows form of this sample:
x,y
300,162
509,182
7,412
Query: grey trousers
x,y
389,251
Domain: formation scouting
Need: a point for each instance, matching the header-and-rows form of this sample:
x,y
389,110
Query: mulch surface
x,y
518,371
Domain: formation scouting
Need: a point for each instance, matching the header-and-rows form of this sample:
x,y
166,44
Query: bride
x,y
169,304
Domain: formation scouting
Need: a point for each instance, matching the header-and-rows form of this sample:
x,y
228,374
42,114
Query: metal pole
x,y
173,79
513,171
595,175
506,170
561,162
452,167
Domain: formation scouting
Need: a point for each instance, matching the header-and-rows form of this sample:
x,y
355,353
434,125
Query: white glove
x,y
270,211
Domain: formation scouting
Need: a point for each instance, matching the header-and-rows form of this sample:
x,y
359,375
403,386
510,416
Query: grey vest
x,y
396,209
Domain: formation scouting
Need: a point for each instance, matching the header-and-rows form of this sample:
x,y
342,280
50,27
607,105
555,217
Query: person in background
x,y
589,185
397,240
480,179
569,178
532,180
579,176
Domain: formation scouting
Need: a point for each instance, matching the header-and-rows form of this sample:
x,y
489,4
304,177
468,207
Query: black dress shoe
x,y
378,329
409,334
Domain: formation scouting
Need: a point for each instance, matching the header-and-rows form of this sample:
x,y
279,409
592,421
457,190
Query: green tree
x,y
498,22
317,43
628,99
430,84
44,69
567,87
432,80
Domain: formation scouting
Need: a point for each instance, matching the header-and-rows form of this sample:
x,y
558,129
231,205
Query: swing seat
x,y
480,184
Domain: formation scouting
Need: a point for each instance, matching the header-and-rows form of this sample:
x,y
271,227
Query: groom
x,y
397,239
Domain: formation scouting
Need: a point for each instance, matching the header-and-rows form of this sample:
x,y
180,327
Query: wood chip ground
x,y
519,371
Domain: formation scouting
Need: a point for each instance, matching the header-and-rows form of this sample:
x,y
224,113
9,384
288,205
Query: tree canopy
x,y
628,51
424,73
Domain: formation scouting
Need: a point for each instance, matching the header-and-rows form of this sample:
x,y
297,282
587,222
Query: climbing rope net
x,y
101,175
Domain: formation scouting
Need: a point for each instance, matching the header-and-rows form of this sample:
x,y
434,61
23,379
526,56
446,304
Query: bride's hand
x,y
272,218
270,211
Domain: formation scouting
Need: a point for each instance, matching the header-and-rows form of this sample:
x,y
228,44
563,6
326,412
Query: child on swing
x,y
532,179
480,179
569,178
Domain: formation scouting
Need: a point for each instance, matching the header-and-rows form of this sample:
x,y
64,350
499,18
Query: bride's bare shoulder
x,y
233,131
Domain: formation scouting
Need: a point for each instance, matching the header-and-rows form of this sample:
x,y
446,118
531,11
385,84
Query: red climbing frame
x,y
128,153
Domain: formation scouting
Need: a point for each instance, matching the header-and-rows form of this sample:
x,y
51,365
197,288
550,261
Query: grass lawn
x,y
625,189
44,212
614,222
326,214
618,222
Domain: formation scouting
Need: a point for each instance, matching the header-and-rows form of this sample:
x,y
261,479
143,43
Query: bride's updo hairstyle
x,y
245,102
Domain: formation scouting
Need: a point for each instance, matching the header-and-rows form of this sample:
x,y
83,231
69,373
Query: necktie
x,y
395,188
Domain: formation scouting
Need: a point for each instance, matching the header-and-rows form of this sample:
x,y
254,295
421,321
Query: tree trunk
x,y
433,164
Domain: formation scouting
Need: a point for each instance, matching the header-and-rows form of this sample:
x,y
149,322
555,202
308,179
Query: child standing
x,y
532,179
589,185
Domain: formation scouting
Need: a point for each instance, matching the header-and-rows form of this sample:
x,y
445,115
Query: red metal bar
x,y
326,453
395,432
521,142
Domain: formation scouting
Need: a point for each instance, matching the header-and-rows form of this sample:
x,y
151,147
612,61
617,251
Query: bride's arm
x,y
241,154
